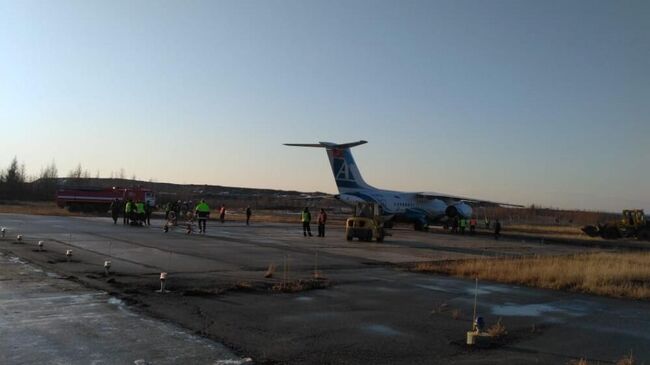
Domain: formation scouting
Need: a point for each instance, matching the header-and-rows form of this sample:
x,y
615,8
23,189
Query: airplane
x,y
419,208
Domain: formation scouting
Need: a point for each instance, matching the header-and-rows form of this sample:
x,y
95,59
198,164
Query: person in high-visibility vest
x,y
139,211
202,210
305,217
128,207
463,224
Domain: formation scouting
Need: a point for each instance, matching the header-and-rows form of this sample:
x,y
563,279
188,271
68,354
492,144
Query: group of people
x,y
460,225
134,212
305,218
139,213
201,213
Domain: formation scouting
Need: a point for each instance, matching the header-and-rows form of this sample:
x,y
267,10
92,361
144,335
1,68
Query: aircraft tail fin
x,y
345,170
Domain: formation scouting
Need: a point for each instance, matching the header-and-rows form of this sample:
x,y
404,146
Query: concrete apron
x,y
47,320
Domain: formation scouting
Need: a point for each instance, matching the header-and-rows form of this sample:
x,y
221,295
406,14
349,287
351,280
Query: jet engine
x,y
461,209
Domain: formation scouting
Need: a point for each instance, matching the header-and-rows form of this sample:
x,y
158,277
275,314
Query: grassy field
x,y
624,275
37,208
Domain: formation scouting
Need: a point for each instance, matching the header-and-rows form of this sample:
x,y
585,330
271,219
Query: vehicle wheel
x,y
644,234
610,232
590,231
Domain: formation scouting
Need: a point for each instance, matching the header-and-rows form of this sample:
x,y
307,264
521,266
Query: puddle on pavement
x,y
523,310
16,260
55,276
382,330
432,287
115,301
304,299
246,360
539,309
488,289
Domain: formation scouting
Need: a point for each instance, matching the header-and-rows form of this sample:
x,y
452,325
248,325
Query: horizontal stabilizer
x,y
327,144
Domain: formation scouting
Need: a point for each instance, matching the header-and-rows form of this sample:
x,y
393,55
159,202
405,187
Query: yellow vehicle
x,y
633,224
366,224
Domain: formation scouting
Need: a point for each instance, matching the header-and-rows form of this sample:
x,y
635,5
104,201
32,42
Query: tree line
x,y
15,184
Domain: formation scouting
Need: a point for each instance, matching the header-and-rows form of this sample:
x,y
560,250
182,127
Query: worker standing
x,y
202,210
463,224
497,229
322,219
305,217
472,225
487,223
115,210
249,212
177,209
139,210
168,208
127,212
147,213
222,213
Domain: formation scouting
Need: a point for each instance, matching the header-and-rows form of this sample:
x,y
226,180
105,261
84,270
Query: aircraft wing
x,y
479,202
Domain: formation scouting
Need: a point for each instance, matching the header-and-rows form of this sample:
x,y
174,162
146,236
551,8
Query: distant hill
x,y
215,195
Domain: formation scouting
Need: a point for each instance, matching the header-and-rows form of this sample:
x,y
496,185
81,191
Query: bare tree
x,y
76,173
50,171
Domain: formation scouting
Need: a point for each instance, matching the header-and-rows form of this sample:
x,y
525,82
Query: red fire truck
x,y
99,199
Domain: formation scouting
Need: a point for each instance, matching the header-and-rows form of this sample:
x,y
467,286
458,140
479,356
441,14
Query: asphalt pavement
x,y
368,310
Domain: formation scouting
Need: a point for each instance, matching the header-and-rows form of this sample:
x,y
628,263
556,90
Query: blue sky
x,y
541,102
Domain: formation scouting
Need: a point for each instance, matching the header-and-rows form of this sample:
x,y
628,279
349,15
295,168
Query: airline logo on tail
x,y
340,166
345,171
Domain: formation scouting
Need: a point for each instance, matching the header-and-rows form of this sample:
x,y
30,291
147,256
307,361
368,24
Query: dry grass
x,y
297,286
439,308
531,228
611,274
626,360
578,362
270,271
36,208
497,330
243,285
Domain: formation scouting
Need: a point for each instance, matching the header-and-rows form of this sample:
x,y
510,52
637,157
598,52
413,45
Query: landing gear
x,y
419,226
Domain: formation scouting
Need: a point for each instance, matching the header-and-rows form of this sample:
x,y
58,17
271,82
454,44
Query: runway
x,y
375,311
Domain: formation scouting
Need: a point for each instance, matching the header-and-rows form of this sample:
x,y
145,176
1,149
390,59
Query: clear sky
x,y
544,102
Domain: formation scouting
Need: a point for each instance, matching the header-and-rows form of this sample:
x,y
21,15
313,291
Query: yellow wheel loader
x,y
633,224
366,224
